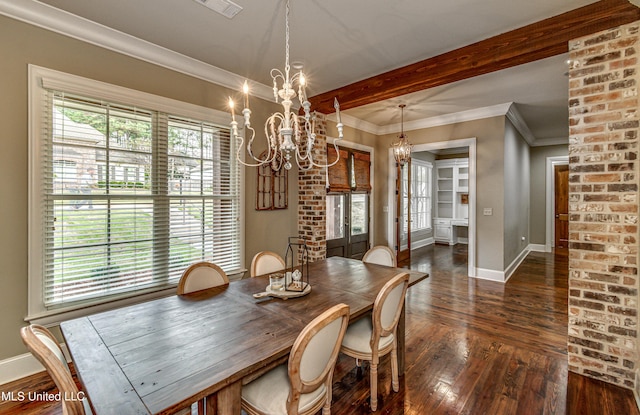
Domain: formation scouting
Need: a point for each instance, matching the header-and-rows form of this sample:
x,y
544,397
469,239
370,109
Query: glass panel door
x,y
347,225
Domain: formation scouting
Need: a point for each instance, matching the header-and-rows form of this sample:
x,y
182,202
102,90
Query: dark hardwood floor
x,y
482,347
473,347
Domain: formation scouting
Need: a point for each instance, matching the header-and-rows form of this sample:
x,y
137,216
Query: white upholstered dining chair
x,y
302,386
371,338
45,348
381,255
200,276
265,262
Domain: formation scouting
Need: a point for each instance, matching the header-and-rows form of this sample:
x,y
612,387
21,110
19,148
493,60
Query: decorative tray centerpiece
x,y
295,280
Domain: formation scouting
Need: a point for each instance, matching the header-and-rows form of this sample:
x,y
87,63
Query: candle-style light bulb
x,y
336,105
231,105
302,83
245,90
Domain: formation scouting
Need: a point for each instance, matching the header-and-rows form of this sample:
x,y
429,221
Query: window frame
x,y
40,80
415,164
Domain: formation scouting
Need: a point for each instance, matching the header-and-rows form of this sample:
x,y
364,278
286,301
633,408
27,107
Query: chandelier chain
x,y
286,34
289,136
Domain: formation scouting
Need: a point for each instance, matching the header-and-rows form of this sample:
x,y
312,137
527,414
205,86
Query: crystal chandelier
x,y
402,148
289,136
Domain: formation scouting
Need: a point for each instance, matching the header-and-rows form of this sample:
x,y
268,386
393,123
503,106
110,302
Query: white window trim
x,y
427,164
43,78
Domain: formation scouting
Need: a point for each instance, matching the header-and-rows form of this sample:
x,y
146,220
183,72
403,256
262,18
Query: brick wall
x,y
312,195
603,205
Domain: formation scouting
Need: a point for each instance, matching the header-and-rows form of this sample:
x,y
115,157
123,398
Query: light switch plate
x,y
487,211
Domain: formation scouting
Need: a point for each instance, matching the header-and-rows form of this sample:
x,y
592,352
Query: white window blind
x,y
130,197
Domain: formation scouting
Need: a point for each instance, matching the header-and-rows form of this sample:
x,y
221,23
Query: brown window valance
x,y
351,172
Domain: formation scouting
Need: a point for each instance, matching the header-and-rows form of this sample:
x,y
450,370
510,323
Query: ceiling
x,y
343,41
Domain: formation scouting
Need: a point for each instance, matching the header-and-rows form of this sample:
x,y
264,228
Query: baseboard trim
x,y
489,274
537,248
23,365
502,276
515,264
422,243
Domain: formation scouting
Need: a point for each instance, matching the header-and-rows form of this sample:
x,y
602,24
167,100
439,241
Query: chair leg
x,y
395,384
373,380
326,410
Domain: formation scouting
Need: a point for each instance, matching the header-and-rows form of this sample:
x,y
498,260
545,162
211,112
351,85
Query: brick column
x,y
603,206
312,195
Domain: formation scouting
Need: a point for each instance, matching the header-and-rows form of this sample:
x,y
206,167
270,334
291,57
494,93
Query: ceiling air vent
x,y
224,7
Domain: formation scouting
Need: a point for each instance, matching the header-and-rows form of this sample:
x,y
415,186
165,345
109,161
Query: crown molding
x,y
507,109
67,24
516,119
540,142
357,123
453,118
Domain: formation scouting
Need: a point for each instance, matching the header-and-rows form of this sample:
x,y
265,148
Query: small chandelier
x,y
289,136
402,148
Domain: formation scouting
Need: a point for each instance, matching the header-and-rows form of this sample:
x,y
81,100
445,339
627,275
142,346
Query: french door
x,y
347,225
403,214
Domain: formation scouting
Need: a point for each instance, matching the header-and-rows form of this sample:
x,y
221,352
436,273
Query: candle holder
x,y
296,277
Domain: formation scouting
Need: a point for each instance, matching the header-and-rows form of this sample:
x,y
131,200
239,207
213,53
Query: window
x,y
271,186
421,194
124,196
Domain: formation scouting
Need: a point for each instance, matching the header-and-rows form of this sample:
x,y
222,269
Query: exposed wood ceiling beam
x,y
539,40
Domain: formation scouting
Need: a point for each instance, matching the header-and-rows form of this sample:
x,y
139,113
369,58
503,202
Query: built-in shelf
x,y
452,191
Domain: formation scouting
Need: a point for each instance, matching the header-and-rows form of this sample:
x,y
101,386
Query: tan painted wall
x,y
538,155
22,44
489,175
516,194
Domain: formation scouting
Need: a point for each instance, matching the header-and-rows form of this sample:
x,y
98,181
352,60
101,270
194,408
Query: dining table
x,y
161,356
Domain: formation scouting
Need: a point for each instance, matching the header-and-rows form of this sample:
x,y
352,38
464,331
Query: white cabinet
x,y
452,198
442,230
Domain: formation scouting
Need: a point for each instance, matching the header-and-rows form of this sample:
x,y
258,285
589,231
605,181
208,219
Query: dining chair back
x,y
197,277
304,385
266,262
200,276
371,338
45,348
381,255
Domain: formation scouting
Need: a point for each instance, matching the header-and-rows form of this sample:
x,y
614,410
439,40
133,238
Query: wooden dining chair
x,y
200,276
302,386
381,255
371,338
266,262
45,348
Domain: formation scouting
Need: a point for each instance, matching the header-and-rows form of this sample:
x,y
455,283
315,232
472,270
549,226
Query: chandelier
x,y
289,136
402,148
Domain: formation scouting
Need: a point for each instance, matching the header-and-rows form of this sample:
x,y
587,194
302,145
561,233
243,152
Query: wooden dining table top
x,y
160,356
